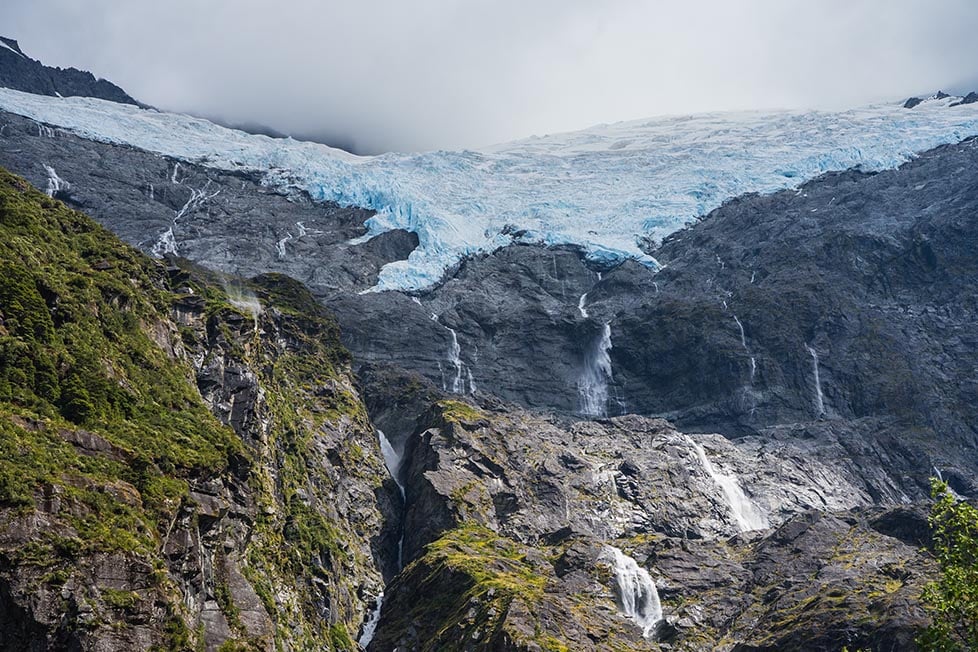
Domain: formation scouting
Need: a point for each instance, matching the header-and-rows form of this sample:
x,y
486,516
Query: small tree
x,y
952,601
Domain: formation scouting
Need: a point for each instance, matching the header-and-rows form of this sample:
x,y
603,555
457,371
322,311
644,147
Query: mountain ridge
x,y
20,72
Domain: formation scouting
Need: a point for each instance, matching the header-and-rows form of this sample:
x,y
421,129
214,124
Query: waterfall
x,y
197,198
462,373
55,183
743,338
455,357
593,384
166,244
744,511
280,245
743,343
244,300
393,461
819,398
940,476
370,626
580,305
637,595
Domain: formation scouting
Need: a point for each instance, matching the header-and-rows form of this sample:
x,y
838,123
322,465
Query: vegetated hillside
x,y
186,462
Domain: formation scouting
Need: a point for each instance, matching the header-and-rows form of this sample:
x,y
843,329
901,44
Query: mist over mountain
x,y
436,74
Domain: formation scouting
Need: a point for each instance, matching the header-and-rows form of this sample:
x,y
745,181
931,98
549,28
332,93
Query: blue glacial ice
x,y
604,189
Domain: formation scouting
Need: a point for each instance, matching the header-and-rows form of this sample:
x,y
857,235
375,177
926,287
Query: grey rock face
x,y
491,484
220,569
229,222
848,301
515,319
865,279
20,72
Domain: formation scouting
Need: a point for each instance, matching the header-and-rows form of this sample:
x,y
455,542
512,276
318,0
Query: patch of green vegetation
x,y
474,578
178,635
339,639
952,601
551,644
460,412
100,427
125,600
222,593
494,563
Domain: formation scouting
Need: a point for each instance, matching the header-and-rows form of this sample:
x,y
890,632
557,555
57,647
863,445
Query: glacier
x,y
606,189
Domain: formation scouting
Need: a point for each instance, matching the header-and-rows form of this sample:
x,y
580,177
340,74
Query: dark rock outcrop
x,y
970,98
20,72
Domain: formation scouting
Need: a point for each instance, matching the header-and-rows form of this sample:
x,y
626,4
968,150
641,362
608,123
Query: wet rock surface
x,y
226,221
846,302
507,515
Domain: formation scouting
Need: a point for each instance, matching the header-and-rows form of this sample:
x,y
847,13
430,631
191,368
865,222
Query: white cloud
x,y
389,74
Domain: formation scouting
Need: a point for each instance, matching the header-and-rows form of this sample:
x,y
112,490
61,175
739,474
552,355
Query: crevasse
x,y
606,189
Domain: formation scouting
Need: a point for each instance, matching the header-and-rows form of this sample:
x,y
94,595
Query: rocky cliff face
x,y
20,72
492,533
847,301
841,308
753,544
133,518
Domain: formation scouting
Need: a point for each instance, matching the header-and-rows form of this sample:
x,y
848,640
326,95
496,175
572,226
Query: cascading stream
x,y
393,460
819,397
460,373
637,595
747,515
592,387
743,343
581,305
370,626
55,183
167,243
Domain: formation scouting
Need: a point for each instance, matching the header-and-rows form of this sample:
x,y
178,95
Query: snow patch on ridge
x,y
605,189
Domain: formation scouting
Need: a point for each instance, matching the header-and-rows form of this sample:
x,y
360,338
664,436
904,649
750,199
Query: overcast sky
x,y
380,75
